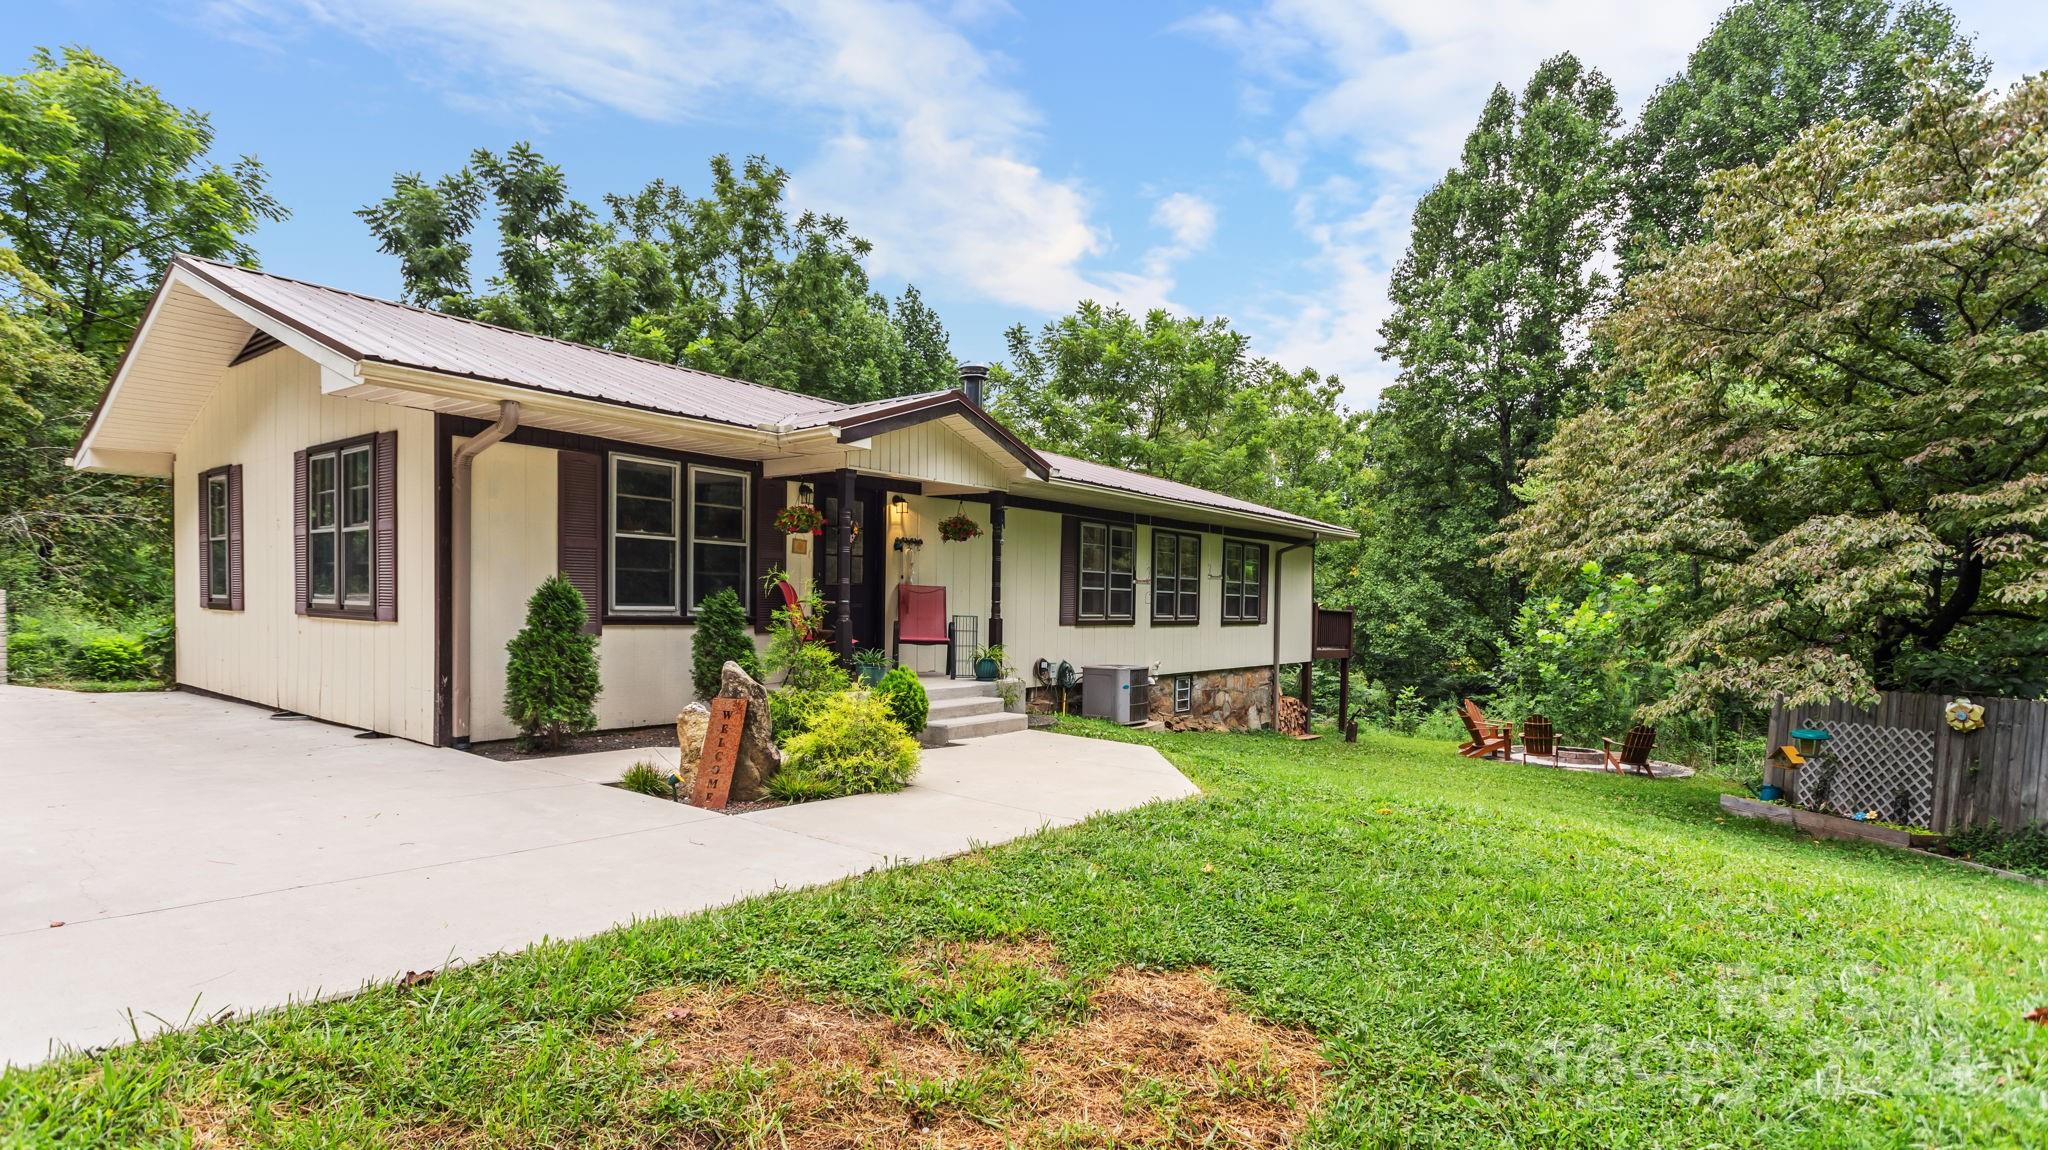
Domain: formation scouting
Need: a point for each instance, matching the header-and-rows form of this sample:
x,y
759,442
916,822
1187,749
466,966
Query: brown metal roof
x,y
366,328
1074,470
361,327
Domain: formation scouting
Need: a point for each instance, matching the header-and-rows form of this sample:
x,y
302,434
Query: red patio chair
x,y
806,630
921,621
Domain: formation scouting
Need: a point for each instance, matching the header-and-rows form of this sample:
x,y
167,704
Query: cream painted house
x,y
367,493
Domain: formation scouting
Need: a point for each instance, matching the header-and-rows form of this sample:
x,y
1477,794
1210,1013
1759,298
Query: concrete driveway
x,y
203,856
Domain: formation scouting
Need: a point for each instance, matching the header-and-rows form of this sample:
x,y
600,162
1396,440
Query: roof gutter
x,y
459,567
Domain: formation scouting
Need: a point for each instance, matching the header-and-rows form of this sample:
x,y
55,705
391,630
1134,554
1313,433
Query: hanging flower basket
x,y
799,519
958,529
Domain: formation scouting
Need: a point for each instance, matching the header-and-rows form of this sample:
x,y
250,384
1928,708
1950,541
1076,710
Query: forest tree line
x,y
1740,394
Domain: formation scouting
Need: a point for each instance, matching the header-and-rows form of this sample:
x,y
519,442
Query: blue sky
x,y
1258,161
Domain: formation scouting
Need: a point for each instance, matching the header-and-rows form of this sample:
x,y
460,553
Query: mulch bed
x,y
633,738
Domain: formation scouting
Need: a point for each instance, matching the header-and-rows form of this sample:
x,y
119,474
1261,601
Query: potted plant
x,y
871,663
799,519
958,528
988,662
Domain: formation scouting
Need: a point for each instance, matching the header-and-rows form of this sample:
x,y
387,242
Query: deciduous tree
x,y
726,282
1838,446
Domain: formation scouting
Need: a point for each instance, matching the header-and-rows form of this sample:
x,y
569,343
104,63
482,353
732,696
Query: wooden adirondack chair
x,y
1633,753
1539,738
1487,738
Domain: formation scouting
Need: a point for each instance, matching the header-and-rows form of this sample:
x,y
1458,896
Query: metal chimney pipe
x,y
973,378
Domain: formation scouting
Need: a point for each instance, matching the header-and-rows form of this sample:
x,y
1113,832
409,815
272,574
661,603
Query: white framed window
x,y
1108,572
718,532
1183,694
217,539
646,536
1176,577
1244,581
340,496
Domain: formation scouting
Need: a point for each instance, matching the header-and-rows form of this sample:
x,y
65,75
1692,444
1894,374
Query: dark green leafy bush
x,y
551,678
851,747
112,658
2025,850
905,697
53,646
721,637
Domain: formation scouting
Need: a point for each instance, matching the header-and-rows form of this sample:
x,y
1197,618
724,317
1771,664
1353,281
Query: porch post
x,y
1344,693
843,625
996,512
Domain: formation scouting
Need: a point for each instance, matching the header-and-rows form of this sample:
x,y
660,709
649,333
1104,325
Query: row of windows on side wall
x,y
1107,570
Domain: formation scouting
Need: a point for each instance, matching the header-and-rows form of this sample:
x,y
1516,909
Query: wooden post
x,y
1344,695
996,514
843,630
1308,692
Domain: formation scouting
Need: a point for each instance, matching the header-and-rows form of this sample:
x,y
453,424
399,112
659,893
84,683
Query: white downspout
x,y
458,568
1279,576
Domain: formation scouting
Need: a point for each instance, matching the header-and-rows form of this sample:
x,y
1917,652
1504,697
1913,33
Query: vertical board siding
x,y
933,452
1996,774
1031,599
358,672
515,543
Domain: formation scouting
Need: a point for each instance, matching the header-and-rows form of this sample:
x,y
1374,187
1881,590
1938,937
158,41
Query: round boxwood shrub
x,y
551,679
852,747
905,697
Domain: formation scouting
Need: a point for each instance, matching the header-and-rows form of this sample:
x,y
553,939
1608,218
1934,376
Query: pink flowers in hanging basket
x,y
798,519
958,529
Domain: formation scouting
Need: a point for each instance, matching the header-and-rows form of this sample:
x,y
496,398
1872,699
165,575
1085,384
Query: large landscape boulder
x,y
759,757
690,728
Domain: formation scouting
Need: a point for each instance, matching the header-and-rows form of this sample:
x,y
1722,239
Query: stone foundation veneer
x,y
1240,699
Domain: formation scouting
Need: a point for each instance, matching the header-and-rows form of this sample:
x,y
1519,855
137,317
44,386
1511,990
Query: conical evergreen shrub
x,y
551,679
721,635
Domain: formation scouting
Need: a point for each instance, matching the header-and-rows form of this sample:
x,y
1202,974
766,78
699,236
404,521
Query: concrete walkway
x,y
203,856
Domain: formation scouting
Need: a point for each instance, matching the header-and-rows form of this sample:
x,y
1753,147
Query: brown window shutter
x,y
234,537
384,526
1266,581
205,518
299,532
1070,570
770,546
579,529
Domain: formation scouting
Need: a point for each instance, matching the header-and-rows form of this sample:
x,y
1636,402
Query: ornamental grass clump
x,y
551,679
648,779
851,747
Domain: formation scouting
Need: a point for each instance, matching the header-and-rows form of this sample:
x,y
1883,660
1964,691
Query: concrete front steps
x,y
966,709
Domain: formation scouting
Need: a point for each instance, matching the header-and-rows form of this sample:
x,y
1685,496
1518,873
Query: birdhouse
x,y
1787,758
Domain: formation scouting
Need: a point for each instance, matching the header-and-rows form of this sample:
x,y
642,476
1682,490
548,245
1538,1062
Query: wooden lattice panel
x,y
1865,767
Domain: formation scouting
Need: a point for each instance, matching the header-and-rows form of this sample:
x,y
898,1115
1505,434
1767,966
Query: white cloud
x,y
927,148
1383,95
1188,218
1387,89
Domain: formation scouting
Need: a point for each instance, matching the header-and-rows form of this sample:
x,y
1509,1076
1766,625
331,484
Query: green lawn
x,y
1491,954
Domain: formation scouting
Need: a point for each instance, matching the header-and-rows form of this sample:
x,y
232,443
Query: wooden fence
x,y
1999,772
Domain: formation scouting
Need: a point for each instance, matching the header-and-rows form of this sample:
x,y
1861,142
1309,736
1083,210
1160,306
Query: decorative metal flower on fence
x,y
1964,716
799,519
